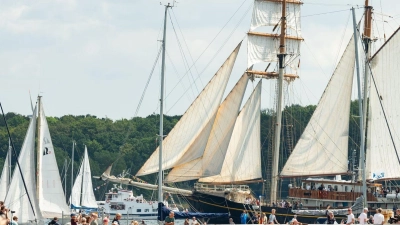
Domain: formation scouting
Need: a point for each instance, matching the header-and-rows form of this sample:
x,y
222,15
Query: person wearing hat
x,y
363,218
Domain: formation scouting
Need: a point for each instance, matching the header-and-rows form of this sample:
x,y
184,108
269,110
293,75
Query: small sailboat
x,y
44,196
82,195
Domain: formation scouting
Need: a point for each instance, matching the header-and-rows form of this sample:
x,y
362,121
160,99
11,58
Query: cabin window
x,y
117,206
306,201
138,210
378,205
335,187
346,189
155,210
146,210
313,186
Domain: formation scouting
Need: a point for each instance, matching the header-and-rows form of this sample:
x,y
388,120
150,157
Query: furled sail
x,y
265,47
269,13
18,198
187,139
214,153
322,148
5,177
382,161
51,195
242,161
88,198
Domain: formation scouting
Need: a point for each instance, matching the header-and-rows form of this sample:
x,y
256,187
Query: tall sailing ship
x,y
44,196
217,142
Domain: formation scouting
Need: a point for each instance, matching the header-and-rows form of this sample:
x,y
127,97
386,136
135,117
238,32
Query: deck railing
x,y
330,195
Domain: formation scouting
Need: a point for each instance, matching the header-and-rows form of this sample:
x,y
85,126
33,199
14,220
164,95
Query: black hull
x,y
214,204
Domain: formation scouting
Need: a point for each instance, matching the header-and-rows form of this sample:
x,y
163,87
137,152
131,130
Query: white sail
x,y
190,134
382,161
5,177
269,13
88,199
264,48
217,144
243,157
51,195
322,148
17,199
76,191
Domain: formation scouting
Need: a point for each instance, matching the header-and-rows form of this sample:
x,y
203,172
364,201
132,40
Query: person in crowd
x,y
186,221
14,220
378,217
117,218
106,220
194,221
231,221
94,218
54,221
331,218
272,217
294,221
363,218
243,217
170,219
350,217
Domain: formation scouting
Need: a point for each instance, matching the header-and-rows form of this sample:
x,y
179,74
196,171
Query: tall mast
x,y
39,152
367,47
72,169
9,162
278,125
362,145
160,172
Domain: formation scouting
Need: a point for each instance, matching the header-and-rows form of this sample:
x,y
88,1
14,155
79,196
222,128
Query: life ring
x,y
108,201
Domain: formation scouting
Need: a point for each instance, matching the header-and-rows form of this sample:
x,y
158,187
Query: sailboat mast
x,y
72,169
361,114
367,46
160,172
278,125
39,156
9,162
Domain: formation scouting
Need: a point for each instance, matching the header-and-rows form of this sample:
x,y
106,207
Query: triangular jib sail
x,y
18,197
382,161
188,138
50,192
243,157
210,162
322,148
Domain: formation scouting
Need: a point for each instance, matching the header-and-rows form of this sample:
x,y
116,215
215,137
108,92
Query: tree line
x,y
128,143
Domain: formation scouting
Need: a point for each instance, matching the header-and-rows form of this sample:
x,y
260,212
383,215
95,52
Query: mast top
x,y
367,21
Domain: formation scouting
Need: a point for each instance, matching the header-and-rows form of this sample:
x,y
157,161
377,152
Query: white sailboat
x,y
17,199
45,192
5,177
82,192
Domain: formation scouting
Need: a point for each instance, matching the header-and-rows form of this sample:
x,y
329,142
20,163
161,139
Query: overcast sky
x,y
94,57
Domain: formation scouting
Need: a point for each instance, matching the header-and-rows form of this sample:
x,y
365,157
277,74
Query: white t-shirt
x,y
350,218
378,218
362,218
